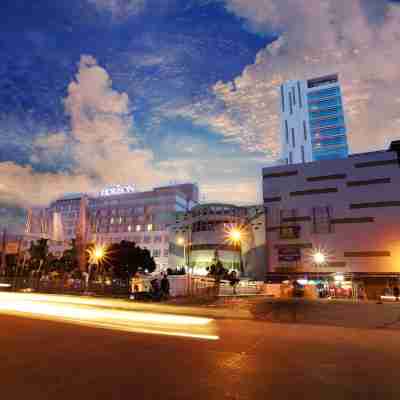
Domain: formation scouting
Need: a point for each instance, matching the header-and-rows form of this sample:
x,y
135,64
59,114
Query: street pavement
x,y
54,359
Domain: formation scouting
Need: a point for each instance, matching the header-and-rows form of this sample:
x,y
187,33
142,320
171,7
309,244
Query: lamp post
x,y
235,237
96,254
319,259
182,242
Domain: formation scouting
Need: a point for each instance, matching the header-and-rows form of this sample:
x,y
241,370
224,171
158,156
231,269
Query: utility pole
x,y
82,233
3,253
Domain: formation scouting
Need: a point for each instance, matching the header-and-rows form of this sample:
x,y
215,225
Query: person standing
x,y
165,286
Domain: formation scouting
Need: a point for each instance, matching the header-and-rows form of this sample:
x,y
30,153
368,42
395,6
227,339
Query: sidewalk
x,y
344,313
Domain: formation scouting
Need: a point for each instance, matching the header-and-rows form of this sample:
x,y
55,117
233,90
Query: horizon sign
x,y
116,190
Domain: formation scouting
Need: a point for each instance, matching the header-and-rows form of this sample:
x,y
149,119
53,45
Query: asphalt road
x,y
42,359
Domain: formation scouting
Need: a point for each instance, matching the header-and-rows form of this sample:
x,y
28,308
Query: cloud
x,y
101,143
359,39
120,8
50,149
21,185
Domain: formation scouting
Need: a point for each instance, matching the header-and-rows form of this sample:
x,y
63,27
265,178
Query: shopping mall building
x,y
336,218
116,213
232,234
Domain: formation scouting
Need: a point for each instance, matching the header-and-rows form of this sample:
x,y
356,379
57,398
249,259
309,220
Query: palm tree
x,y
38,253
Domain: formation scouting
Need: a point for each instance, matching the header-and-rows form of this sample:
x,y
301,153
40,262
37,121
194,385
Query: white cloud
x,y
102,145
317,37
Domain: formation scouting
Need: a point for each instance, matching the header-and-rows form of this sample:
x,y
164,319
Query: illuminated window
x,y
138,228
111,220
129,228
150,227
120,220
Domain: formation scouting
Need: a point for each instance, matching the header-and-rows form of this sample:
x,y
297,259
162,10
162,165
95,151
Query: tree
x,y
126,258
38,252
217,271
69,259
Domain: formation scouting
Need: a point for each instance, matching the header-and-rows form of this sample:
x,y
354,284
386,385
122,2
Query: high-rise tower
x,y
312,120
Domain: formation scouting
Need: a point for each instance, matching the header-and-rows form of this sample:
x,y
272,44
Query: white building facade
x,y
312,120
348,209
115,214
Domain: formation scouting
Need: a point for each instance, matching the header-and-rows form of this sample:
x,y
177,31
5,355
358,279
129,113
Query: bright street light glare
x,y
97,253
319,258
236,235
181,241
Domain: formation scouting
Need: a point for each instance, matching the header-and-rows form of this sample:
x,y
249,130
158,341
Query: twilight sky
x,y
153,91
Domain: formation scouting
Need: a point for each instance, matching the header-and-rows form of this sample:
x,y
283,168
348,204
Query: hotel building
x,y
116,213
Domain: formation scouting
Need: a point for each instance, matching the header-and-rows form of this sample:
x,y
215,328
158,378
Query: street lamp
x,y
182,242
96,255
319,259
235,236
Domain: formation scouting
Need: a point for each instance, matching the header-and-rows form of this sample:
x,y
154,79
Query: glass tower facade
x,y
312,120
327,124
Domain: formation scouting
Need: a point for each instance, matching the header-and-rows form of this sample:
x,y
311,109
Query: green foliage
x,y
69,259
38,253
126,258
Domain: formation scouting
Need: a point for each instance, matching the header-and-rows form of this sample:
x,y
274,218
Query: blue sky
x,y
152,91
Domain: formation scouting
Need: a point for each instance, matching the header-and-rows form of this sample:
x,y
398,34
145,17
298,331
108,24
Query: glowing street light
x,y
180,241
319,258
97,253
234,235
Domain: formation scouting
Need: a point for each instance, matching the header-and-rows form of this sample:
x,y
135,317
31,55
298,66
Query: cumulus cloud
x,y
50,148
359,39
101,143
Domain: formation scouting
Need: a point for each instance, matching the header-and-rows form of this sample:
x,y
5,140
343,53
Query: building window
x,y
290,158
293,138
129,228
294,95
322,219
156,253
290,103
283,98
302,154
149,227
147,239
166,252
287,131
120,220
138,228
111,221
305,130
157,239
287,229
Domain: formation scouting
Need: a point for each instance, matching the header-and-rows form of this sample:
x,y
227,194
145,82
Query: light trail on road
x,y
91,313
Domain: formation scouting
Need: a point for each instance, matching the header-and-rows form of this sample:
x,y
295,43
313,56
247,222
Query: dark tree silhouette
x,y
126,258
